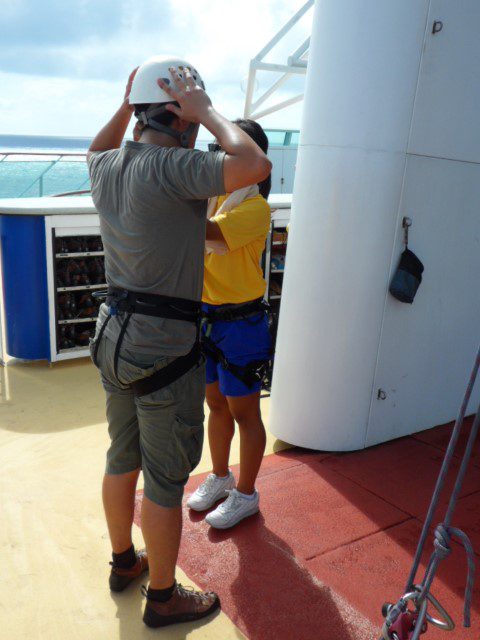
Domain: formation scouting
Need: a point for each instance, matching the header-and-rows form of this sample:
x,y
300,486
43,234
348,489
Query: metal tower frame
x,y
296,64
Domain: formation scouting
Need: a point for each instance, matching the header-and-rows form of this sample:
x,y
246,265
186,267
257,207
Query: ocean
x,y
31,166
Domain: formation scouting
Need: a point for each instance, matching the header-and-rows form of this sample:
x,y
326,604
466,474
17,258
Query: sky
x,y
64,63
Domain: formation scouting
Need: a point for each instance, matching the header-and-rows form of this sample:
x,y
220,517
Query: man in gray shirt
x,y
151,196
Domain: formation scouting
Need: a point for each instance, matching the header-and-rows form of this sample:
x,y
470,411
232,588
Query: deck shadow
x,y
264,589
335,539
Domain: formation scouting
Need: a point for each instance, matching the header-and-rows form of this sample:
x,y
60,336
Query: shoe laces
x,y
231,502
207,484
190,592
184,592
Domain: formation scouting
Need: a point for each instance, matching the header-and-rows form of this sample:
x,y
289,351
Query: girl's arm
x,y
215,242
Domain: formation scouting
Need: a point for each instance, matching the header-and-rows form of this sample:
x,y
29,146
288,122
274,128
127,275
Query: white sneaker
x,y
210,491
235,508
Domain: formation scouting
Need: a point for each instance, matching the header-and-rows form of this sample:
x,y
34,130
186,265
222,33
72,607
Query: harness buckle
x,y
116,298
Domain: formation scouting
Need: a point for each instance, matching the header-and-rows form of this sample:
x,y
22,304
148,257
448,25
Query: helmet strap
x,y
146,117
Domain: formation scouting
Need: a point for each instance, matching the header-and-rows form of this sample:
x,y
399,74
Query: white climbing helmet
x,y
145,89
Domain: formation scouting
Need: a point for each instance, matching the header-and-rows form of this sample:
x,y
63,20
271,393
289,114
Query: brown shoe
x,y
185,605
121,578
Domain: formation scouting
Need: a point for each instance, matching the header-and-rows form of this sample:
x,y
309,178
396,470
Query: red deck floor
x,y
334,540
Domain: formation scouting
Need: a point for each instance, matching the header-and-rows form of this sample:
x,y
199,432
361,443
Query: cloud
x,y
77,38
68,61
55,22
103,39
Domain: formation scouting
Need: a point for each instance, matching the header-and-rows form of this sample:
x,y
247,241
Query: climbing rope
x,y
401,622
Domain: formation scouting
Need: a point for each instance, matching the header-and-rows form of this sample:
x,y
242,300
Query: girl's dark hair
x,y
256,132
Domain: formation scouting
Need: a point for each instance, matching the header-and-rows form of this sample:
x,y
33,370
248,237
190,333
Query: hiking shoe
x,y
121,578
235,508
210,491
185,605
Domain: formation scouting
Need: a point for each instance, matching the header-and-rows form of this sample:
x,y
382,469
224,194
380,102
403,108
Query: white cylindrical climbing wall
x,y
342,378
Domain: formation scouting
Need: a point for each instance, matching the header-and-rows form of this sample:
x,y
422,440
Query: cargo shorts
x,y
161,432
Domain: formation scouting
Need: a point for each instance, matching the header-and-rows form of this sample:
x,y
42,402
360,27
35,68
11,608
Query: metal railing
x,y
32,180
296,64
52,160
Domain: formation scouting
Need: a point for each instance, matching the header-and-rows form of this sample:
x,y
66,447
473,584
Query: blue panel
x,y
25,290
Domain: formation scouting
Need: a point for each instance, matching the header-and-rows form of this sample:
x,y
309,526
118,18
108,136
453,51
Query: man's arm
x,y
112,134
245,163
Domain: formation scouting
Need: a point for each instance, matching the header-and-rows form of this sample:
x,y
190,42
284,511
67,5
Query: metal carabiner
x,y
447,624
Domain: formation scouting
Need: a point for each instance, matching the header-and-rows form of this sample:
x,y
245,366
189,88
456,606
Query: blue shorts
x,y
241,341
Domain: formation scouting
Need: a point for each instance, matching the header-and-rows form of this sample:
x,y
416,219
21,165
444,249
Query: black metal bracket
x,y
406,224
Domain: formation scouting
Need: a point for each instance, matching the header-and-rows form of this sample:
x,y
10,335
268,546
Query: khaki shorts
x,y
162,432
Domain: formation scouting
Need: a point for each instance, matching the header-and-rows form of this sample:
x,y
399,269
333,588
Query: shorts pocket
x,y
128,370
185,449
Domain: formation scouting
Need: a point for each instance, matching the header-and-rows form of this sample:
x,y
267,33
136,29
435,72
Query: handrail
x,y
61,154
71,193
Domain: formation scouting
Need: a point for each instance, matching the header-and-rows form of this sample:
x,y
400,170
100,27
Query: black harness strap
x,y
154,305
232,312
249,374
165,376
256,370
169,307
119,344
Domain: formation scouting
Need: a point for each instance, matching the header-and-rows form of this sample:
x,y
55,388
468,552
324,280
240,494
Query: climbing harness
x,y
401,621
130,302
256,370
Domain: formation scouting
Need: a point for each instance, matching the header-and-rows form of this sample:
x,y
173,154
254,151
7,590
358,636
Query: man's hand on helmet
x,y
128,88
194,102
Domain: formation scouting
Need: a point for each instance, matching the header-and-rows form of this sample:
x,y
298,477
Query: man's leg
x,y
171,437
123,466
121,474
118,493
162,529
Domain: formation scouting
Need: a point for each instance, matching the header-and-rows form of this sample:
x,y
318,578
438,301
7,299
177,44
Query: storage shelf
x,y
277,270
275,297
84,287
76,349
77,320
279,243
87,254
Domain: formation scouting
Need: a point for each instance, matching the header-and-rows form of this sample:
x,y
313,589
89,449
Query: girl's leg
x,y
220,429
246,412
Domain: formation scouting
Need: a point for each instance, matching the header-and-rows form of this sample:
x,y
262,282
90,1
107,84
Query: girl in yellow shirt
x,y
237,343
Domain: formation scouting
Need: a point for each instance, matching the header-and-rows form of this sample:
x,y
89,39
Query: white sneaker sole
x,y
248,514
